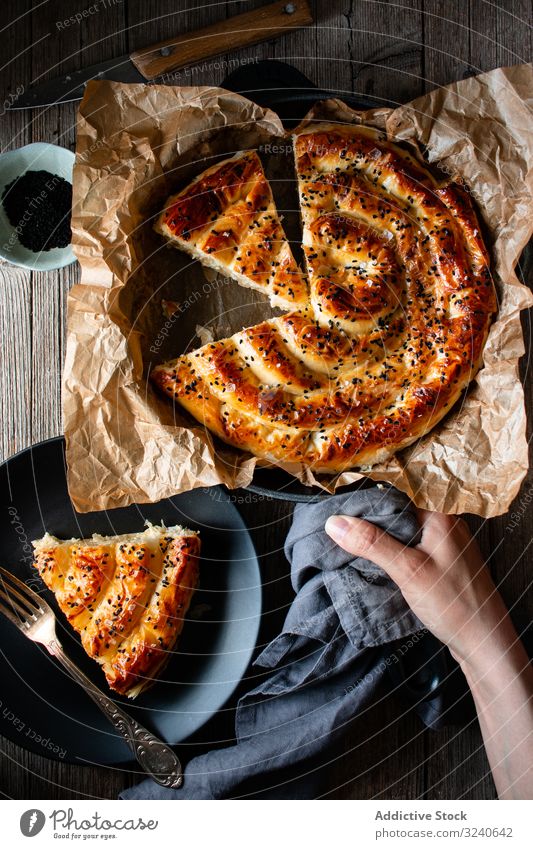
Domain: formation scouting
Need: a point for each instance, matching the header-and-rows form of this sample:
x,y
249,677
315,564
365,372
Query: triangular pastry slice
x,y
127,597
227,219
400,303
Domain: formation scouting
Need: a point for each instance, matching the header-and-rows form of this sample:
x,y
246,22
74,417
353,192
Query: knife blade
x,y
184,50
71,86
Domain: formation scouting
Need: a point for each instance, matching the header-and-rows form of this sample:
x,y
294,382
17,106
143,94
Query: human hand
x,y
446,583
443,578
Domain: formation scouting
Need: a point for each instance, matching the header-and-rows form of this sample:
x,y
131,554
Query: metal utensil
x,y
37,621
182,51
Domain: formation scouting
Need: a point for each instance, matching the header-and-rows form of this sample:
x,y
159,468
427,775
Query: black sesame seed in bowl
x,y
38,205
35,206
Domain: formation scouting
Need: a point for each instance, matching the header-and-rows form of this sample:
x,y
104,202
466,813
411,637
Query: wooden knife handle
x,y
238,31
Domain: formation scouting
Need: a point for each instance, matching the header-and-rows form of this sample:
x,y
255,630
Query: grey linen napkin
x,y
325,665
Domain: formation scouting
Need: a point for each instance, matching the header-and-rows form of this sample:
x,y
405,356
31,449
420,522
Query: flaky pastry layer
x,y
227,219
127,597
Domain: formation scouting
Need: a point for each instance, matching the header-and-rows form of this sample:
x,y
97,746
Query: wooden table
x,y
389,50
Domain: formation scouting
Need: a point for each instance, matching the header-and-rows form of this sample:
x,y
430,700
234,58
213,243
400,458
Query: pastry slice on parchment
x,y
127,596
226,218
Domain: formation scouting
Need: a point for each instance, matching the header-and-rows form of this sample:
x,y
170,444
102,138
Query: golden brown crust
x,y
141,656
400,305
227,218
126,597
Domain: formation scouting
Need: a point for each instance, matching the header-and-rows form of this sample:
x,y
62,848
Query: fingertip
x,y
336,527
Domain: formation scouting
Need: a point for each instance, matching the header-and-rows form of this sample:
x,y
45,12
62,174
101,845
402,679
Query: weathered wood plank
x,y
446,42
15,284
476,37
15,330
48,332
446,58
35,313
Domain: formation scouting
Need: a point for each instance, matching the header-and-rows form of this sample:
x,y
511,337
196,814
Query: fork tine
x,y
21,611
14,585
12,618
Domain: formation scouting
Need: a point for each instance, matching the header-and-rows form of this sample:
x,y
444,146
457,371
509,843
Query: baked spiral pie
x,y
127,597
399,305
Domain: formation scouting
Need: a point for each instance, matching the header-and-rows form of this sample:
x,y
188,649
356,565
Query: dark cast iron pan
x,y
287,91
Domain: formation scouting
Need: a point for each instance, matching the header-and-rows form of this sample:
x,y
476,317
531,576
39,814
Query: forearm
x,y
500,677
447,585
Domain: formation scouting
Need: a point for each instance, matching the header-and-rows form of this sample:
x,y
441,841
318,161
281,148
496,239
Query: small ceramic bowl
x,y
33,157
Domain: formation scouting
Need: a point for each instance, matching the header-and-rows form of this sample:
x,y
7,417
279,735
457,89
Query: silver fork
x,y
36,619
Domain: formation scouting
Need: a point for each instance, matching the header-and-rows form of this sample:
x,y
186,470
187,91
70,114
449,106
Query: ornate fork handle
x,y
156,758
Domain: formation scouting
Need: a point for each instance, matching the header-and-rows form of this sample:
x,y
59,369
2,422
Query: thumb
x,y
364,539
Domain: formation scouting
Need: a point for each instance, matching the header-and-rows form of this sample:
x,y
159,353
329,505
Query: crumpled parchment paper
x,y
140,302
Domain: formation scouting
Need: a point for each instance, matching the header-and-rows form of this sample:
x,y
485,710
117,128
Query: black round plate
x,y
41,708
